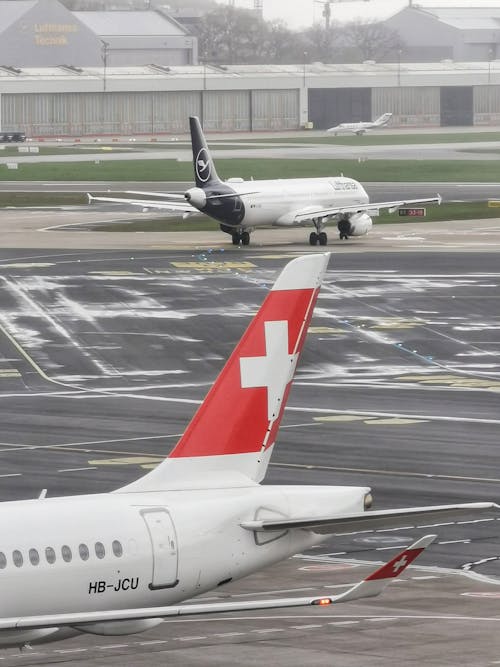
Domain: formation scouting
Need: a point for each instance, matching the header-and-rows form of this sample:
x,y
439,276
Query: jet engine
x,y
357,224
196,197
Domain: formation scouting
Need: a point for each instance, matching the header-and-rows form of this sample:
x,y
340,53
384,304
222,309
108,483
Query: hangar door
x,y
457,105
331,106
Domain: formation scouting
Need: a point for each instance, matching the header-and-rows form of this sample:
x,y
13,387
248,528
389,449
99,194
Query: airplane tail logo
x,y
204,169
235,427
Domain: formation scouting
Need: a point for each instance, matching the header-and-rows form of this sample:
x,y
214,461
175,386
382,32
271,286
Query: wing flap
x,y
373,585
369,520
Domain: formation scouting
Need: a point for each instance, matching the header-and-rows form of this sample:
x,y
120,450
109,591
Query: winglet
x,y
375,583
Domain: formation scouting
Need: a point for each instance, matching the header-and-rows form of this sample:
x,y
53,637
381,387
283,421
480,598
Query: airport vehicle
x,y
240,206
11,137
118,563
361,127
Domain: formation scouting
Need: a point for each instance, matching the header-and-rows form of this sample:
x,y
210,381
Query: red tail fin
x,y
236,425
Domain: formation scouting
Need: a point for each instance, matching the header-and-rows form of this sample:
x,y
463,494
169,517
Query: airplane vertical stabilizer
x,y
235,427
204,168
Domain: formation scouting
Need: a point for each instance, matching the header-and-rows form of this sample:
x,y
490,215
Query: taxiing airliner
x,y
361,127
122,562
241,206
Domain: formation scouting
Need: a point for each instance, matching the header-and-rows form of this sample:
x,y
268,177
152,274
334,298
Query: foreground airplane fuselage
x,y
124,550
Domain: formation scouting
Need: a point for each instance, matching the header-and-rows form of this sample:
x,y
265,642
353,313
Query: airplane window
x,y
66,553
84,551
100,552
17,557
117,548
50,555
3,560
34,557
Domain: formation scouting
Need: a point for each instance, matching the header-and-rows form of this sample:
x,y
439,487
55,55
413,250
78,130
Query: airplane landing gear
x,y
319,236
243,238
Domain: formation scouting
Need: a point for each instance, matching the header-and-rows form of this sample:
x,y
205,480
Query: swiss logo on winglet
x,y
243,409
395,566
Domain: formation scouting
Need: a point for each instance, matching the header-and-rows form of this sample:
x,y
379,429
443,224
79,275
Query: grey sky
x,y
299,13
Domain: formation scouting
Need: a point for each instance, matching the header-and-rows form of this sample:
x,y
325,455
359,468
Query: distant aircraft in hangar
x,y
122,562
240,206
361,127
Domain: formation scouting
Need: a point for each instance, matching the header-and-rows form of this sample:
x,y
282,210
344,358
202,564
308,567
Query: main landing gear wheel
x,y
236,239
323,238
343,236
245,238
313,238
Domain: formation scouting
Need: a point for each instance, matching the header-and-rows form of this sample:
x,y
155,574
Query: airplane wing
x,y
359,208
370,520
166,205
373,585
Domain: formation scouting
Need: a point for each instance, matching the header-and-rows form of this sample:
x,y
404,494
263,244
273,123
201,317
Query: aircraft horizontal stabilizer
x,y
373,585
371,519
147,203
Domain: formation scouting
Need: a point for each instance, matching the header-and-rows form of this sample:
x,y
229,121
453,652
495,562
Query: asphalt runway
x,y
106,354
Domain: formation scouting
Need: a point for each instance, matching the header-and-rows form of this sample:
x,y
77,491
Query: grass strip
x,y
475,171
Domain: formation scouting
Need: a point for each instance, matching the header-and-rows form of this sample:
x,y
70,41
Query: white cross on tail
x,y
274,370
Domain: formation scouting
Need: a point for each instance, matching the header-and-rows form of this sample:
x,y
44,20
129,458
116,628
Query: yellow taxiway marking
x,y
389,421
128,461
325,330
458,381
208,267
395,323
10,373
146,462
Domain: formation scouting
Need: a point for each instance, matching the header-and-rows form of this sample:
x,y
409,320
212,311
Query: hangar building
x,y
43,33
459,33
64,101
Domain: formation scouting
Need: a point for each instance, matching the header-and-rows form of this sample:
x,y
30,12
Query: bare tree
x,y
371,40
231,36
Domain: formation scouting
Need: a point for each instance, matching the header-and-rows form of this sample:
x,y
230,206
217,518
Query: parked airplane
x,y
240,206
361,127
118,563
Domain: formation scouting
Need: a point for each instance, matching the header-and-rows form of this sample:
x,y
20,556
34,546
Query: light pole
x,y
104,55
399,67
304,70
490,58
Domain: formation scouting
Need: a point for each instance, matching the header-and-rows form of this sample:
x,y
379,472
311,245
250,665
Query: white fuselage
x,y
277,202
128,550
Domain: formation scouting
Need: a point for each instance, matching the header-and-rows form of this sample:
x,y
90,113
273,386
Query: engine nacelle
x,y
196,197
357,224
